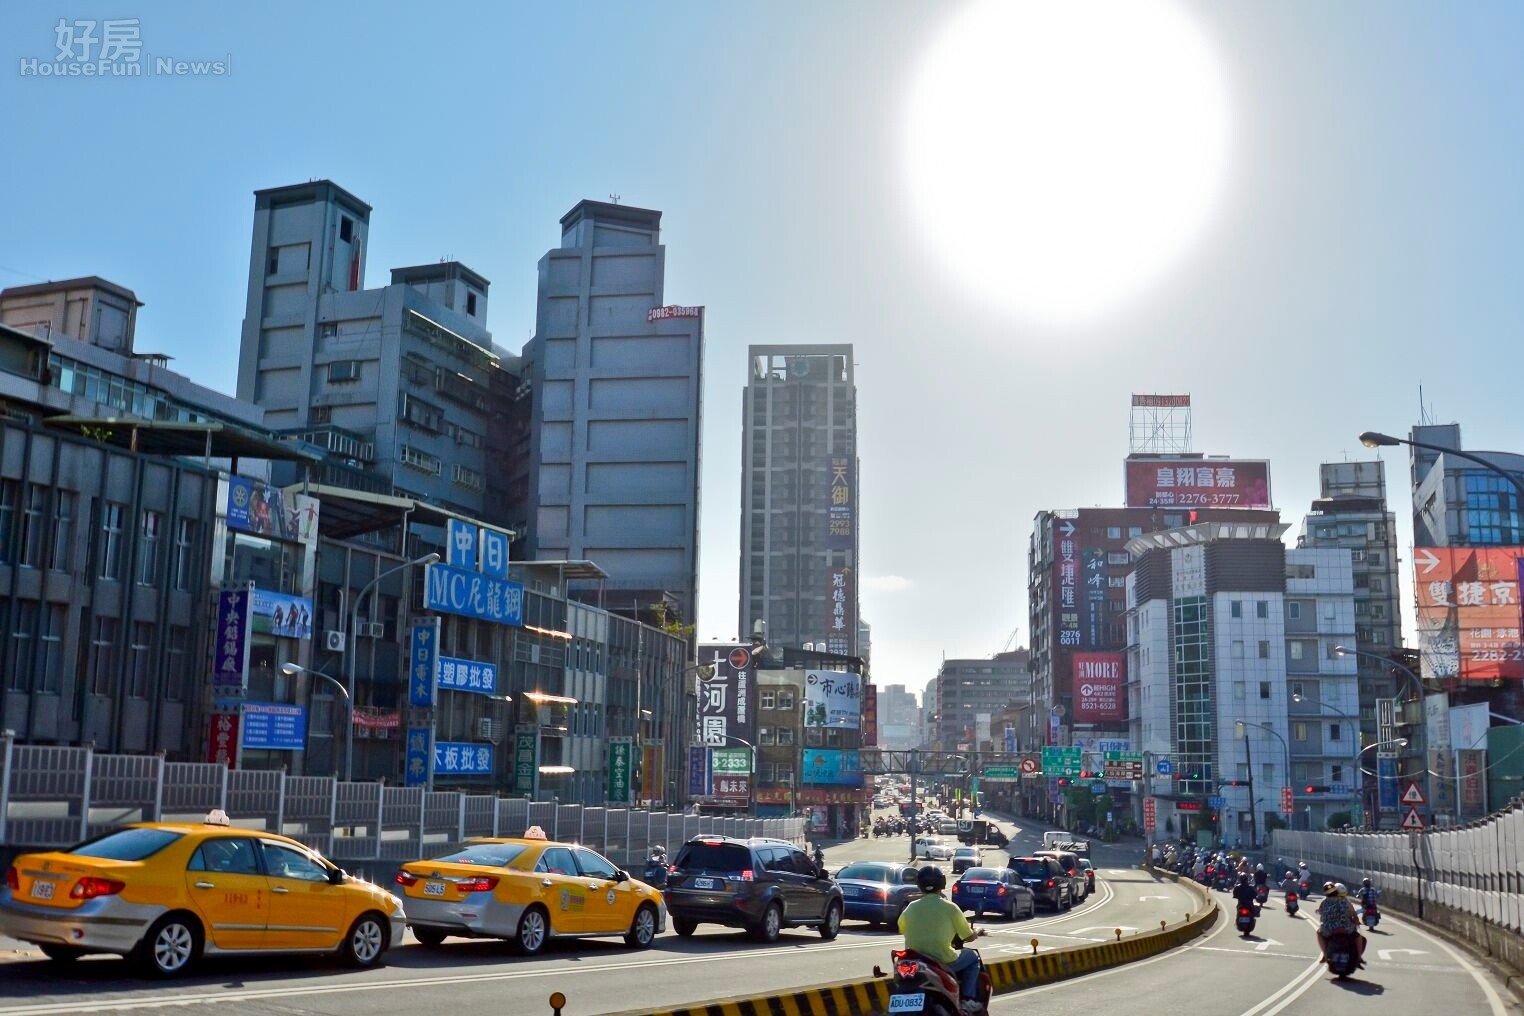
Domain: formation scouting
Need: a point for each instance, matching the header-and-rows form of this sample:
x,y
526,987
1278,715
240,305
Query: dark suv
x,y
1047,880
759,884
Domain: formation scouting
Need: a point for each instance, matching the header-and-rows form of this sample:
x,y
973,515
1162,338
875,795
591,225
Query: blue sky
x,y
1365,242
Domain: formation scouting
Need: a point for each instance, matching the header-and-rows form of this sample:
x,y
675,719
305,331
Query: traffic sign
x,y
1003,772
1029,766
1123,765
1164,767
1412,794
1412,820
1216,802
1287,805
1062,761
1098,787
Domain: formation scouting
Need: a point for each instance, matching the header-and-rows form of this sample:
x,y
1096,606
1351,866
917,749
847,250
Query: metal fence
x,y
54,797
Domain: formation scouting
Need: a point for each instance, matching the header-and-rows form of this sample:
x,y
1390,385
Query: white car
x,y
933,848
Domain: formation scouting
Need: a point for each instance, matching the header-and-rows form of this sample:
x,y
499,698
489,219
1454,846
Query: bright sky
x,y
1362,238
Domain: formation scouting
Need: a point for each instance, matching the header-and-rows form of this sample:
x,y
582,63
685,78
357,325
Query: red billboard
x,y
1100,687
1197,483
870,715
1468,612
222,739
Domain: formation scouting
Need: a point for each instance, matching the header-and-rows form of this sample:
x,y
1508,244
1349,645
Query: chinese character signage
x,y
841,608
621,754
725,696
222,739
1066,566
730,761
1197,483
460,544
1100,694
870,715
833,767
1093,574
494,554
832,699
736,789
280,614
698,772
423,663
467,675
230,650
416,764
274,727
526,759
471,594
253,507
840,498
462,758
1468,612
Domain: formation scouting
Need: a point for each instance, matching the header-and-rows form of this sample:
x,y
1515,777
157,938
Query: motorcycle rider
x,y
1336,915
1243,893
931,923
1367,894
1303,876
656,867
1261,877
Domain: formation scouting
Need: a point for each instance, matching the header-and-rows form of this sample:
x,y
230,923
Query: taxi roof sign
x,y
534,832
216,817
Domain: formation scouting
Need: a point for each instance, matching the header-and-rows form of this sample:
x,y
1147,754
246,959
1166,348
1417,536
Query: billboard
x,y
274,727
472,594
253,507
1100,694
1066,568
870,715
832,767
230,646
833,698
1197,483
1468,612
282,614
841,607
840,503
725,696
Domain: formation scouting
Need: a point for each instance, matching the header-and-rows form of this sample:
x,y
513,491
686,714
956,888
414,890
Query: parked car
x,y
163,894
878,891
964,858
1069,861
1089,870
933,848
999,890
760,885
1048,882
526,890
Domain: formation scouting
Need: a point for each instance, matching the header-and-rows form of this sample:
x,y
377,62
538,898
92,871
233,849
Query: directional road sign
x,y
1062,761
1164,767
1412,820
1001,772
1216,802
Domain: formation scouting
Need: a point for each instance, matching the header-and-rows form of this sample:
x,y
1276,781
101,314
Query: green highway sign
x,y
1062,761
1123,765
1001,772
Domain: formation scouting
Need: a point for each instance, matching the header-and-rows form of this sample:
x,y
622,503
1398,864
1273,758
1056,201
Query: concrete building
x,y
616,378
780,740
1457,503
971,693
799,516
899,718
1225,626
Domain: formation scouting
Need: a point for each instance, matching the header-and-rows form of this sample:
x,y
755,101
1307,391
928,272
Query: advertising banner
x,y
841,503
253,507
735,789
462,758
467,675
621,759
525,757
281,614
230,650
833,698
1472,799
870,715
222,739
423,663
471,594
1100,694
698,772
832,767
1066,579
1094,573
649,785
1468,726
1468,612
1386,783
1197,483
1010,740
841,621
416,765
274,727
730,761
725,696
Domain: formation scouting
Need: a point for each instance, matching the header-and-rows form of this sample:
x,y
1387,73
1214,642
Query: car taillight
x,y
1050,883
883,894
89,887
1000,891
406,878
746,876
479,884
1243,911
12,879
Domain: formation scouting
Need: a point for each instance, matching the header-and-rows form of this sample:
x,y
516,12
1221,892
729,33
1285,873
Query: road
x,y
596,976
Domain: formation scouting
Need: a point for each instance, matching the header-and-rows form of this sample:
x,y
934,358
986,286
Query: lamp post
x,y
1354,725
1375,439
1421,748
352,643
1285,745
293,669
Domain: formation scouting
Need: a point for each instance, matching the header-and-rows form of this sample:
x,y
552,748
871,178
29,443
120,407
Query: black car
x,y
964,858
994,890
759,884
1047,880
878,891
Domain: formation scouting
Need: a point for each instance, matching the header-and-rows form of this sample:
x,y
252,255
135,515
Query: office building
x,y
899,718
971,693
799,516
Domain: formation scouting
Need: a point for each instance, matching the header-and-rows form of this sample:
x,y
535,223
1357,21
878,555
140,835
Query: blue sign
x,y
274,727
282,614
469,594
832,767
462,758
1010,740
423,663
1098,787
417,770
230,650
1386,775
1165,767
467,675
494,559
460,542
1215,802
698,772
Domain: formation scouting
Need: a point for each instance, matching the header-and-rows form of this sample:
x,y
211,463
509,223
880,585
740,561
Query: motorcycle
x,y
655,874
926,987
1370,917
1343,956
1245,920
1291,904
1261,894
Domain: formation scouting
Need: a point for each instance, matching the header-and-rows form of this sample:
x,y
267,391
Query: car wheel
x,y
684,927
170,946
366,941
61,953
643,928
771,923
429,937
532,933
832,924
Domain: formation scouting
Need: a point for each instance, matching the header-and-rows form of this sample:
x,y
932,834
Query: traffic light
x,y
1063,781
1315,789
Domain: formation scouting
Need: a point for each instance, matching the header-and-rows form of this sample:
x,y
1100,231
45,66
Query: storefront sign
x,y
462,758
222,739
230,653
416,766
725,695
282,614
621,751
526,757
471,594
274,727
832,766
423,663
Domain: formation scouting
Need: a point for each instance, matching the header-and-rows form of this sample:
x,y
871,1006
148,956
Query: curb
x,y
864,996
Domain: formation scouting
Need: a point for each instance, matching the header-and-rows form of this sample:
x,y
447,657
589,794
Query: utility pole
x,y
1253,817
914,767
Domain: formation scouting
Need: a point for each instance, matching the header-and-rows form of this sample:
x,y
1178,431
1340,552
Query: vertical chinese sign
x,y
419,750
841,494
870,715
841,617
725,695
1095,597
621,752
1066,570
525,757
230,654
222,739
423,663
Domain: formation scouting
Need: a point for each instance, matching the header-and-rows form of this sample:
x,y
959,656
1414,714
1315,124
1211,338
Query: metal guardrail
x,y
54,797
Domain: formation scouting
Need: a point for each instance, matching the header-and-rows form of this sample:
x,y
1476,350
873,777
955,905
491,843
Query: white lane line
x,y
1493,1001
1298,984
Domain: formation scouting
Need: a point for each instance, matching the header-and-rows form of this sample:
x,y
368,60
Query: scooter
x,y
655,874
1261,894
926,987
1291,903
1245,920
1343,956
1370,917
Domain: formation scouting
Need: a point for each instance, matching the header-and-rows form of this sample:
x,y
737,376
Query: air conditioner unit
x,y
372,629
486,729
333,641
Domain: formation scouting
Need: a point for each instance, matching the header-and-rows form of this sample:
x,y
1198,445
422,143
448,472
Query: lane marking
x,y
1493,1001
1298,984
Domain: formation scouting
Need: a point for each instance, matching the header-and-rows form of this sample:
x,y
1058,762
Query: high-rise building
x,y
971,693
1459,503
899,718
616,377
799,517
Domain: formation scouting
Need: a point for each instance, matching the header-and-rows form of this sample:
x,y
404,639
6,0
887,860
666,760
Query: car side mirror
x,y
621,875
336,876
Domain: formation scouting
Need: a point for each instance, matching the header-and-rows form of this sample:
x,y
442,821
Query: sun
x,y
1062,156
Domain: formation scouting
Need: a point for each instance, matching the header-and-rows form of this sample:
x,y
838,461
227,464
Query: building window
x,y
1264,690
785,735
343,370
33,518
785,700
769,700
1238,690
1294,649
10,498
1297,690
1264,649
1261,609
1113,532
765,735
783,774
19,653
113,518
1334,730
1118,557
63,533
148,548
139,662
103,656
1299,732
420,460
1236,651
50,649
1236,608
1357,554
1293,611
176,664
1134,531
185,553
1336,773
470,304
1332,653
346,229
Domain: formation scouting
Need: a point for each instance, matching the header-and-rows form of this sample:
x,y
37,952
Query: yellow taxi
x,y
528,891
164,894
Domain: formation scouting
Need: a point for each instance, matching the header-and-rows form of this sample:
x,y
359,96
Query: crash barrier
x,y
870,997
54,797
1464,879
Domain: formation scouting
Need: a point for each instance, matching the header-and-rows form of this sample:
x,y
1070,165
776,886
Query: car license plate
x,y
42,889
974,890
851,890
908,1003
433,888
705,883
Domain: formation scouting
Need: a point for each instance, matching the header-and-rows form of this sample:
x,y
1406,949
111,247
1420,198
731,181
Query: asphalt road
x,y
467,978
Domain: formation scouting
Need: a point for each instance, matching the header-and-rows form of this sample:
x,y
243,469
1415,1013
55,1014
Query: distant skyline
x,y
1364,241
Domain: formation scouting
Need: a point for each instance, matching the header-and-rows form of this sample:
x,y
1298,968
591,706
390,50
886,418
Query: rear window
x,y
490,855
966,852
866,872
988,874
1030,868
715,858
127,844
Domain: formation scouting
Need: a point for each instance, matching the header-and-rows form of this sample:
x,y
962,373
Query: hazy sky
x,y
1363,239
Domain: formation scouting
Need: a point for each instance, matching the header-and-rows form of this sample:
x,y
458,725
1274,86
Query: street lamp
x,y
1421,749
352,644
1374,439
293,669
1285,746
540,698
1354,726
1400,742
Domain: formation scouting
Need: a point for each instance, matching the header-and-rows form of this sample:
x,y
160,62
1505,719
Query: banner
x,y
870,715
416,765
1469,612
841,503
841,604
274,727
1471,765
1197,483
470,594
725,712
833,698
253,507
282,614
467,675
462,758
423,663
698,772
526,759
832,767
1100,694
621,752
230,649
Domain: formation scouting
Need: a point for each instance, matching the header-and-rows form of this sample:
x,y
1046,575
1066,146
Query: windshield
x,y
127,844
490,855
867,872
714,858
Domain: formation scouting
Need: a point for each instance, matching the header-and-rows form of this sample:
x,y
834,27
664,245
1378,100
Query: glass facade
x,y
1492,510
1194,711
